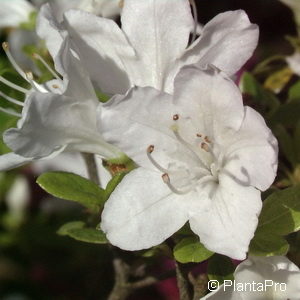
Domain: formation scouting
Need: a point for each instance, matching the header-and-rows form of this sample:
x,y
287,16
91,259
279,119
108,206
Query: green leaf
x,y
73,187
294,92
191,250
297,141
287,114
286,144
220,268
280,216
263,100
79,232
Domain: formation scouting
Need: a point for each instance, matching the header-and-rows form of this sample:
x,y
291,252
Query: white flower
x,y
58,116
152,45
14,12
274,278
203,158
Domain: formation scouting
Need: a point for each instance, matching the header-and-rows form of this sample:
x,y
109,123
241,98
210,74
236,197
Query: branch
x,y
182,283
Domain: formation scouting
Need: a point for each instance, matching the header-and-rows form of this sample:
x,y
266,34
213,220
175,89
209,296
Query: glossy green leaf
x,y
79,232
287,114
73,187
220,268
112,184
280,216
191,250
257,95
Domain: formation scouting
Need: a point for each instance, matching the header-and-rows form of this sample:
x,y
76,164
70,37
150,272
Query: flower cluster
x,y
202,156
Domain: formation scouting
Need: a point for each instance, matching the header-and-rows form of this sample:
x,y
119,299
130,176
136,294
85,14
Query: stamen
x,y
166,180
150,149
13,85
205,147
38,57
176,117
10,99
10,112
187,145
55,86
5,47
199,135
29,78
195,13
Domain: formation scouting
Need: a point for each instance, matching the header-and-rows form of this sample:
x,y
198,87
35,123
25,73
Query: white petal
x,y
228,225
142,118
252,152
11,160
14,12
50,123
159,32
209,97
277,269
103,49
50,30
107,8
142,212
227,42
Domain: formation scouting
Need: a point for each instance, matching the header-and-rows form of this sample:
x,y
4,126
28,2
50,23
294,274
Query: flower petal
x,y
228,225
142,212
227,42
11,160
13,13
159,32
252,152
210,97
101,40
142,118
50,123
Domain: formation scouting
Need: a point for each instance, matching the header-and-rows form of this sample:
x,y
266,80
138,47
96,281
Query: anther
x,y
165,177
5,46
55,86
121,3
176,117
150,149
207,140
29,75
199,135
205,147
38,57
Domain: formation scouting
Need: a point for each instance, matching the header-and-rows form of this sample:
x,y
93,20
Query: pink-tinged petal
x,y
252,152
142,212
228,225
103,48
159,32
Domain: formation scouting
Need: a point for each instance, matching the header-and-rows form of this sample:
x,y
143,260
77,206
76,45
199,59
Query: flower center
x,y
204,169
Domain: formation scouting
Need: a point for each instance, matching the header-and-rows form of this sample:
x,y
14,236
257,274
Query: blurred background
x,y
35,262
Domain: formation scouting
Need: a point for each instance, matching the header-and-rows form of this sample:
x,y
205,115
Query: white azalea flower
x,y
203,158
58,116
274,278
151,46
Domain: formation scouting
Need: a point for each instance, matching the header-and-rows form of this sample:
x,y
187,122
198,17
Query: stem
x,y
91,167
182,283
199,284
